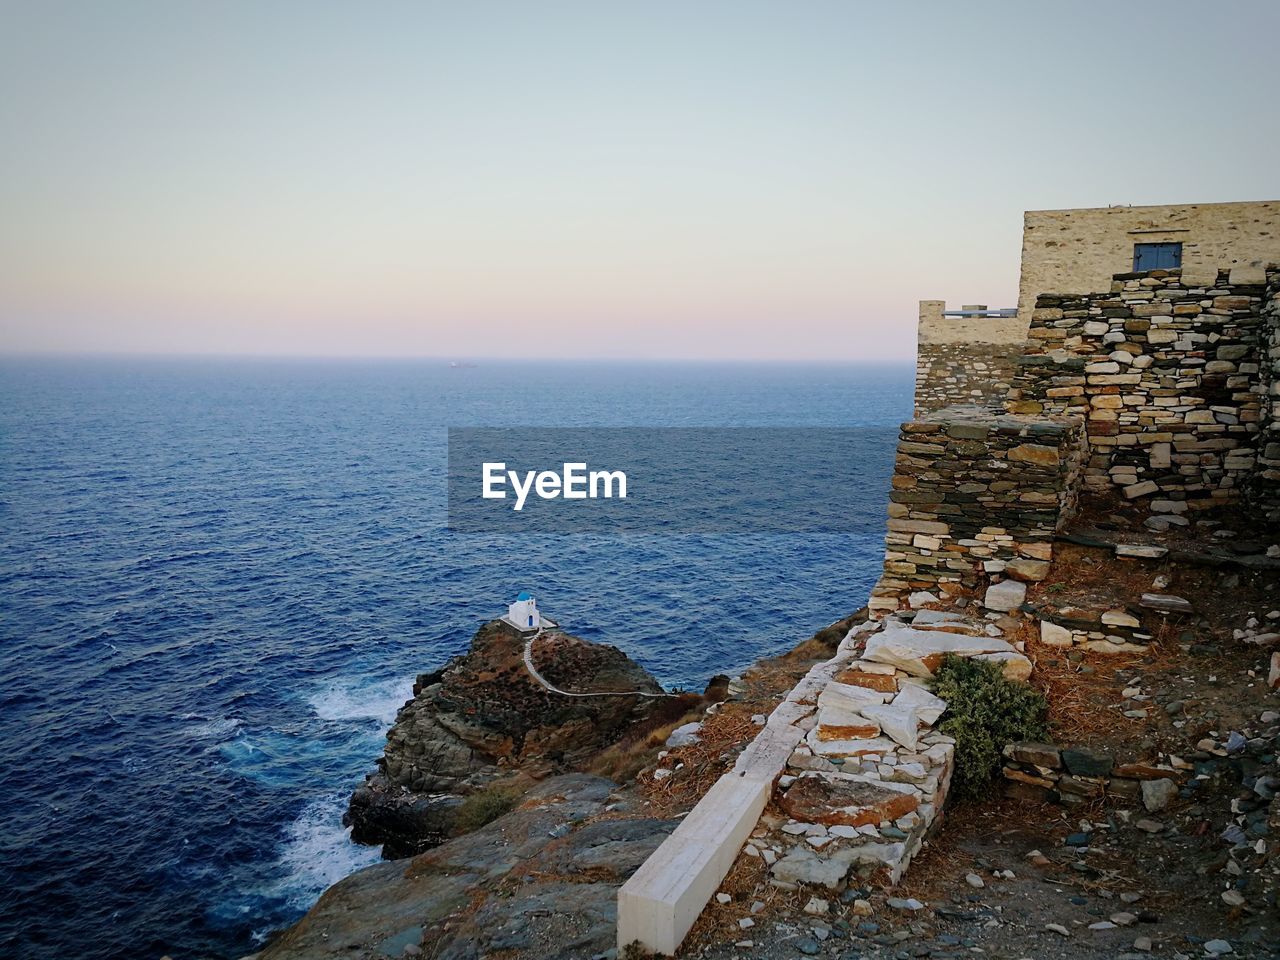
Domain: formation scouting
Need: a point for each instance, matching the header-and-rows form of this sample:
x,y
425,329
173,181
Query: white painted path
x,y
533,672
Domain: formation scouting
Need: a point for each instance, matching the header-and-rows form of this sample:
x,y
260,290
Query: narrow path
x,y
533,672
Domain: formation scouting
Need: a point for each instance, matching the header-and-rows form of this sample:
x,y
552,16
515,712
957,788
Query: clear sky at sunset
x,y
735,180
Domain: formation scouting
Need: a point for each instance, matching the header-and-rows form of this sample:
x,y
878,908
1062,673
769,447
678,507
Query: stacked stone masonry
x,y
1169,379
976,494
950,374
1265,487
1044,772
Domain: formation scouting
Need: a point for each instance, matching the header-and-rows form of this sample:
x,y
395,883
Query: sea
x,y
220,576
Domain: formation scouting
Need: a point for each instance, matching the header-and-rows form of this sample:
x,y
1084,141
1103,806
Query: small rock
x,y
816,907
1166,603
909,905
974,881
746,923
1005,596
1149,826
1217,947
684,736
1157,794
1057,928
1143,944
1233,898
723,898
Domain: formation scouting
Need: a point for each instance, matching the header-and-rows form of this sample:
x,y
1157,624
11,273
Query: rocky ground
x,y
541,881
1191,872
483,725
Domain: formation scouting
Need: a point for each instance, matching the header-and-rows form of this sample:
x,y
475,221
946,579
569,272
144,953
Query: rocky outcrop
x,y
539,882
483,718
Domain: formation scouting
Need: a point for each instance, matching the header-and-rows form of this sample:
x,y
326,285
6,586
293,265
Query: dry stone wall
x,y
1168,378
948,374
1265,487
1066,775
975,494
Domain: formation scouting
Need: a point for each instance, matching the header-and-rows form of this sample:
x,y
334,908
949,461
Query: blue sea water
x,y
219,577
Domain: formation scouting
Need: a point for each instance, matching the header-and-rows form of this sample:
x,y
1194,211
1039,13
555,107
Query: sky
x,y
696,180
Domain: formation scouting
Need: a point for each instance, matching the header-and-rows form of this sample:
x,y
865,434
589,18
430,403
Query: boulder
x,y
1014,665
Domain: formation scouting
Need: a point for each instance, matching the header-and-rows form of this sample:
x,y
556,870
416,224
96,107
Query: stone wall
x,y
1166,374
976,493
1264,488
948,374
1042,771
963,360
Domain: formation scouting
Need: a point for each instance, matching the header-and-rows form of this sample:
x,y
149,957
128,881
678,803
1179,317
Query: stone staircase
x,y
853,764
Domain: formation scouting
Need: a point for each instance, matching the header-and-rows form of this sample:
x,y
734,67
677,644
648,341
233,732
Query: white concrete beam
x,y
663,899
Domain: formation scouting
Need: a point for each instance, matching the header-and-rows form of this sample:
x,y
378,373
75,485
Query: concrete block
x,y
662,900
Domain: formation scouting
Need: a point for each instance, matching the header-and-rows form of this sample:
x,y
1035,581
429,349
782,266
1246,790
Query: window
x,y
1156,256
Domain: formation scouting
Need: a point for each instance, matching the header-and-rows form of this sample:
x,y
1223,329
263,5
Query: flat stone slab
x,y
876,746
920,652
849,799
947,620
1166,602
880,682
845,696
836,723
1141,551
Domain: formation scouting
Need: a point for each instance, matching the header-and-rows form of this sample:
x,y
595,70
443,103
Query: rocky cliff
x,y
483,722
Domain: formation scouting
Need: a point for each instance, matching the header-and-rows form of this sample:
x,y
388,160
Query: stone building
x,y
969,356
1141,363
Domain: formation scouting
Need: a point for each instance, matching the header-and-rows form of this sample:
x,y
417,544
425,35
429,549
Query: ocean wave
x,y
362,699
317,852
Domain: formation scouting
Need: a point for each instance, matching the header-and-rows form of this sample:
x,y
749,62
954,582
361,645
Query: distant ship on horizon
x,y
460,365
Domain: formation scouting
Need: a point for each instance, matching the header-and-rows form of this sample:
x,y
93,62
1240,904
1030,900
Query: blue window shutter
x,y
1156,256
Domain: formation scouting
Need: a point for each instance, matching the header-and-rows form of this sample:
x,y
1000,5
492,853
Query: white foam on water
x,y
215,729
317,852
362,699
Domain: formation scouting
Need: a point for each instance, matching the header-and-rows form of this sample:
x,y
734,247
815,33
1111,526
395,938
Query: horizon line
x,y
443,359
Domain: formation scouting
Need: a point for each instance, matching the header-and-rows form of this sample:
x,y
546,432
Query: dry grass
x,y
622,761
746,882
704,762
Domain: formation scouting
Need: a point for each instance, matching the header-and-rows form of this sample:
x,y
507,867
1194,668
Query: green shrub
x,y
985,711
484,806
